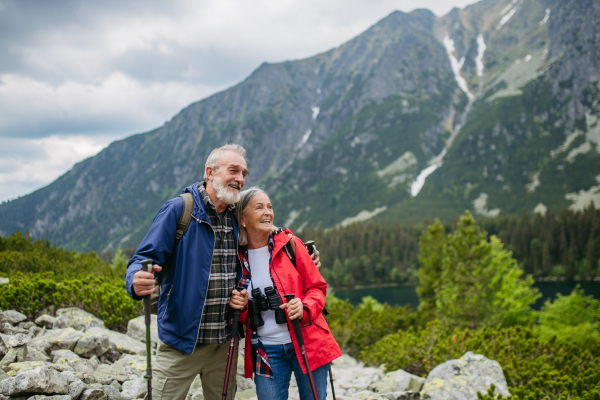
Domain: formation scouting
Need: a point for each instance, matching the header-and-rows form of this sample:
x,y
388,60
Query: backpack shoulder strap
x,y
291,250
182,227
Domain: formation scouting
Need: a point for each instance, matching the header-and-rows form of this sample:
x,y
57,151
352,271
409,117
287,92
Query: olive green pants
x,y
174,371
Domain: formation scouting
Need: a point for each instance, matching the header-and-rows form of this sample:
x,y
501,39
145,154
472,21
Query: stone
x,y
94,392
71,377
244,383
4,281
56,397
88,379
45,320
3,375
116,385
57,339
63,353
14,355
40,380
30,365
93,343
136,329
16,340
76,388
25,325
398,381
12,317
136,362
121,342
79,365
461,379
105,374
134,389
35,354
76,318
111,392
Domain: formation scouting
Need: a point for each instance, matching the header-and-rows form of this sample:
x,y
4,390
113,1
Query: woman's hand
x,y
239,299
295,308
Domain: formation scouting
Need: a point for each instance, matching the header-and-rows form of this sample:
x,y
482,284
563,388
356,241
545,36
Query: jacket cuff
x,y
306,319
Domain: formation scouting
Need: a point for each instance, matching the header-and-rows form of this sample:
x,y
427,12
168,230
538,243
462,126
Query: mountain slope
x,y
492,107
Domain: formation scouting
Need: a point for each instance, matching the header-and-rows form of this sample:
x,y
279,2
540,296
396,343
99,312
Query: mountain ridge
x,y
352,131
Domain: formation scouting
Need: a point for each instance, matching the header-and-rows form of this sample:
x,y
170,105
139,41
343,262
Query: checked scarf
x,y
261,365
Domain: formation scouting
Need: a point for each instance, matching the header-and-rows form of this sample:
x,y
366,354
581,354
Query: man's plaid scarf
x,y
259,355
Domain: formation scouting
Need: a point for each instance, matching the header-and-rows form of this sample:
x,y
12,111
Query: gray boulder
x,y
121,342
4,281
134,389
15,354
76,388
461,379
398,381
76,318
136,329
57,339
105,374
40,380
112,392
92,343
15,340
31,365
80,365
12,317
94,392
56,397
63,353
35,353
45,320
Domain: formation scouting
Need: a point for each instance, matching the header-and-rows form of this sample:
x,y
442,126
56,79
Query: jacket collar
x,y
280,240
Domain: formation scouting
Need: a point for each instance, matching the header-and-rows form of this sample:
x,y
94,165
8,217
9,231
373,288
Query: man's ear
x,y
210,174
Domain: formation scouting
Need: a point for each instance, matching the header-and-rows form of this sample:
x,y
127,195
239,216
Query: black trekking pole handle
x,y
234,329
147,266
300,340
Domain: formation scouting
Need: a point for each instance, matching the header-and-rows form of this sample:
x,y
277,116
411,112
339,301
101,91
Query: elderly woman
x,y
272,351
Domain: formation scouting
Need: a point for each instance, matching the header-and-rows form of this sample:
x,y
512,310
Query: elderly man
x,y
198,288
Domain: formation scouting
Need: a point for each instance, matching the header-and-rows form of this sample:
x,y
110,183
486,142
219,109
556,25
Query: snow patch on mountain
x,y
546,17
481,47
417,185
507,17
362,216
583,198
456,65
315,112
480,205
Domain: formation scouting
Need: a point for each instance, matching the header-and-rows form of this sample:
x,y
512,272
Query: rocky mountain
x,y
493,107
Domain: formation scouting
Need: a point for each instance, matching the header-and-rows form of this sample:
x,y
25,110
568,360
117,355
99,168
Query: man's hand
x,y
239,299
143,281
315,257
295,308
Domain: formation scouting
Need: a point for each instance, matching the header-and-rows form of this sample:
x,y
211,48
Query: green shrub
x,y
354,328
534,368
19,253
39,293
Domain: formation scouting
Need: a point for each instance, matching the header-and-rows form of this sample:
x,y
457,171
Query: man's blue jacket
x,y
184,288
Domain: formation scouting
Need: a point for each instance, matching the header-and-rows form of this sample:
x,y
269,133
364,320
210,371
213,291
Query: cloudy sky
x,y
76,75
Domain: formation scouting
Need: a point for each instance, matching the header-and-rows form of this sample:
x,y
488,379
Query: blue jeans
x,y
282,358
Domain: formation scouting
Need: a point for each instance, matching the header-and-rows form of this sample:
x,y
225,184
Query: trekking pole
x,y
147,266
234,330
300,340
312,249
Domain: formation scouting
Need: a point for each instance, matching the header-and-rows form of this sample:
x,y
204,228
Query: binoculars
x,y
271,300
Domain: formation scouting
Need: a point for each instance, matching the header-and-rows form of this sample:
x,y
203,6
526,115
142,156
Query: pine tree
x,y
431,244
481,281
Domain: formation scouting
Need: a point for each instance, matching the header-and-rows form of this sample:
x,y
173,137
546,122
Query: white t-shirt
x,y
271,332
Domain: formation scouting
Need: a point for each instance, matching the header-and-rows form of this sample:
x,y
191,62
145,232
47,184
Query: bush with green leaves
x,y
355,328
19,253
534,368
38,293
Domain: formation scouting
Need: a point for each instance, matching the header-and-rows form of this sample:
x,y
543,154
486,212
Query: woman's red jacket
x,y
306,282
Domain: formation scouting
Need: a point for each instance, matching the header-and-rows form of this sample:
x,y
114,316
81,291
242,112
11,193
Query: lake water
x,y
402,295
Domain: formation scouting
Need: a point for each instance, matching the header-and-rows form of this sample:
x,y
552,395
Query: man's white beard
x,y
223,194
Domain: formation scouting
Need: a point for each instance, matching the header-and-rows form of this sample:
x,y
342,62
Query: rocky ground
x,y
73,356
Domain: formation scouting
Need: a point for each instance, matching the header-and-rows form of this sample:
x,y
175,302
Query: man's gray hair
x,y
240,208
214,158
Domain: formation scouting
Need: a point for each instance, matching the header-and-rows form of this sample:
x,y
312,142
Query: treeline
x,y
566,245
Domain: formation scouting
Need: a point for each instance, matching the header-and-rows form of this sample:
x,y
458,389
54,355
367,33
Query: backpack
x,y
182,227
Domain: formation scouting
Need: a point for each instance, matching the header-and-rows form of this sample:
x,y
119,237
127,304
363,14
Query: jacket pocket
x,y
321,323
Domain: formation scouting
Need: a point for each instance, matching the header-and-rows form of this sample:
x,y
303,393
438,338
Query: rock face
x,y
461,379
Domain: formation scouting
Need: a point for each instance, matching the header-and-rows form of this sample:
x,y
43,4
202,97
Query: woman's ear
x,y
242,222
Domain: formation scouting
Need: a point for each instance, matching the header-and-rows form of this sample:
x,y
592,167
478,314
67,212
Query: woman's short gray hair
x,y
214,158
240,208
